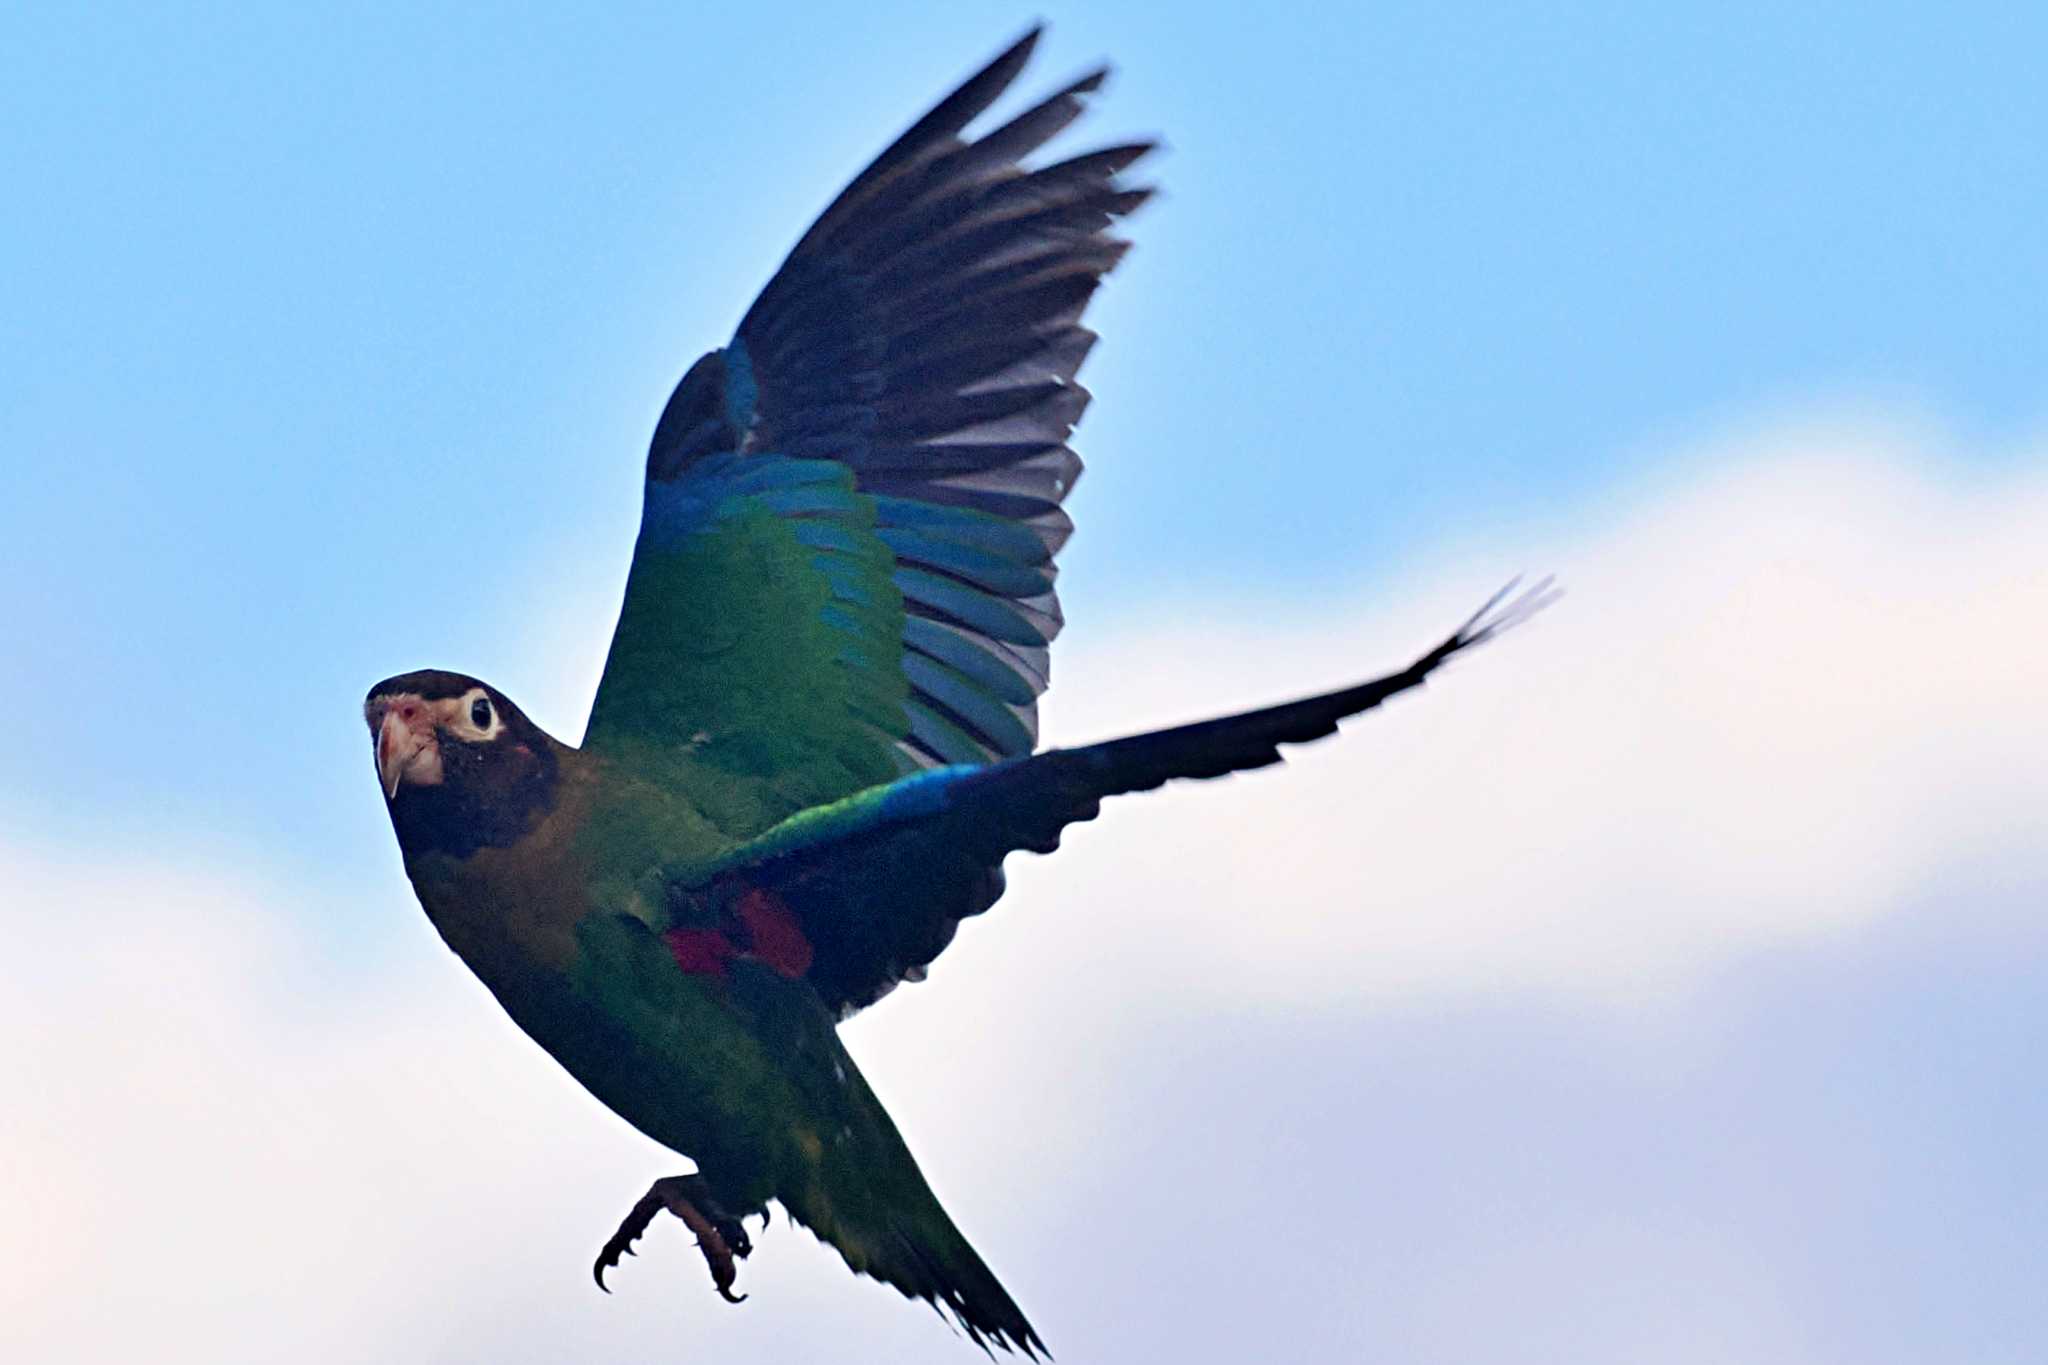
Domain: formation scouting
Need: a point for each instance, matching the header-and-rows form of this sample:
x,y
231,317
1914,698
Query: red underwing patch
x,y
773,935
700,952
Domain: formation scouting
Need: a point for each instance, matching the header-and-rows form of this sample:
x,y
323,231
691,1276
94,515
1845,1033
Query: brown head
x,y
462,768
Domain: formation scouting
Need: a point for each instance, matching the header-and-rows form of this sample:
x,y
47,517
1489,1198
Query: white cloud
x,y
1779,695
1786,685
1782,696
220,1147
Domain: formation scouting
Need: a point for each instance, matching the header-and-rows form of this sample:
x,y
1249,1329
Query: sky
x,y
1663,982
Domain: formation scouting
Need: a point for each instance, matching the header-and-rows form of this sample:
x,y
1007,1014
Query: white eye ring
x,y
478,717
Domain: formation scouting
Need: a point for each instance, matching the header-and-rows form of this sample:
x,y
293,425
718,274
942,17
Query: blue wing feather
x,y
889,421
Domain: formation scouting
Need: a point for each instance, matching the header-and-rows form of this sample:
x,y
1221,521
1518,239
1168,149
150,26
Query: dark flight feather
x,y
924,334
881,881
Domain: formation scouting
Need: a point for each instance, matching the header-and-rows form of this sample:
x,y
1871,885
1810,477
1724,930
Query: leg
x,y
719,1235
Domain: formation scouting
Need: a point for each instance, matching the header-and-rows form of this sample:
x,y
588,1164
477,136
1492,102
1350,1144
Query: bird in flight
x,y
815,738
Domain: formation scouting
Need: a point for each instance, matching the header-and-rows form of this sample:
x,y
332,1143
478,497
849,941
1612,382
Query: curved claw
x,y
621,1242
718,1256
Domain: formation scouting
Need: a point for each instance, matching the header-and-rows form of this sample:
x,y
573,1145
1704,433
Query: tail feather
x,y
864,1195
955,1281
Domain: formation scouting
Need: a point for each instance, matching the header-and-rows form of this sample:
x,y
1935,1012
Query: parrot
x,y
815,738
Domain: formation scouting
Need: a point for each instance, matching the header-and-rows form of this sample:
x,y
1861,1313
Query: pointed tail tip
x,y
1017,1339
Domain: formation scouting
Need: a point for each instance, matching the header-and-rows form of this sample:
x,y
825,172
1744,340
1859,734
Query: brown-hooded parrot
x,y
813,743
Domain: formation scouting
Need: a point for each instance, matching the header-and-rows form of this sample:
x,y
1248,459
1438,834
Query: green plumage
x,y
752,666
812,746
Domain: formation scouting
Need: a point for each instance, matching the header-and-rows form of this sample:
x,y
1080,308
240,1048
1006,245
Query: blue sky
x,y
329,345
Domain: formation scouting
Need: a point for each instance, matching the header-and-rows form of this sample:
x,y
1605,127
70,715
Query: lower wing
x,y
878,883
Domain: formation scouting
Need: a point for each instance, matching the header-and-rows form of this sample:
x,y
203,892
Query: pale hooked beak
x,y
405,734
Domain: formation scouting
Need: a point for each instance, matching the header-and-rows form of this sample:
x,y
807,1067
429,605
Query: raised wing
x,y
845,564
878,883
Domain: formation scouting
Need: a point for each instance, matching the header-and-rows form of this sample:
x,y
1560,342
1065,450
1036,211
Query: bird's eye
x,y
480,713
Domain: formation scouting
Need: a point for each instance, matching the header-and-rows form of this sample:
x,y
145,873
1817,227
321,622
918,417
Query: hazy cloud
x,y
1596,1004
1781,695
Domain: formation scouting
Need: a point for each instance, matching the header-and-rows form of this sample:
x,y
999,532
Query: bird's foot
x,y
720,1236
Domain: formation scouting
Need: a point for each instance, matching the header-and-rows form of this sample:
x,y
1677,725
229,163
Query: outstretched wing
x,y
878,883
845,564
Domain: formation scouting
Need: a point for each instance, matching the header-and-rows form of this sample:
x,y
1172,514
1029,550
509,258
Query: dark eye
x,y
480,713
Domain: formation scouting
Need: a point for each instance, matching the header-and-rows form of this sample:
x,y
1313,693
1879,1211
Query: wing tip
x,y
1004,68
1505,610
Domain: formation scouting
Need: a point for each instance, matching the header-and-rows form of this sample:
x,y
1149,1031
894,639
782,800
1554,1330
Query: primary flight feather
x,y
813,743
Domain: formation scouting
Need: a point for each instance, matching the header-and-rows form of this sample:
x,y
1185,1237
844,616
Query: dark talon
x,y
719,1237
621,1243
